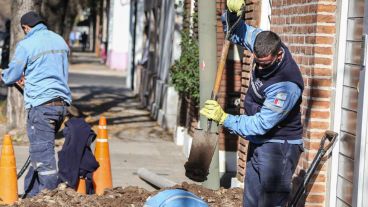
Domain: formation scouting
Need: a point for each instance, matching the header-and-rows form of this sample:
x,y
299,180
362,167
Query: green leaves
x,y
185,71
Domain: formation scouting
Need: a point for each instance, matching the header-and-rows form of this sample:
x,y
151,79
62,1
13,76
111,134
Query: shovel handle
x,y
331,136
19,88
221,65
224,52
220,69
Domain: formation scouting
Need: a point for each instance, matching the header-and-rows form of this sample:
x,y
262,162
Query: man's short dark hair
x,y
31,19
267,43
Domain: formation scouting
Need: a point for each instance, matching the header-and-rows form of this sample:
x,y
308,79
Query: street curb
x,y
114,73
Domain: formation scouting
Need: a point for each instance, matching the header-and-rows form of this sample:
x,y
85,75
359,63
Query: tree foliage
x,y
185,71
60,15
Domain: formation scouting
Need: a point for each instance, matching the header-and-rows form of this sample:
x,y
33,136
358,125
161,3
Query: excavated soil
x,y
127,197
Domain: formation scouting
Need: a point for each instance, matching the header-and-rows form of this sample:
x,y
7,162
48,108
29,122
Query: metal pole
x,y
134,4
207,59
155,179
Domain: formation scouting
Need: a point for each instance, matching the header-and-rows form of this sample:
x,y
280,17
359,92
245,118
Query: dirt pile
x,y
127,197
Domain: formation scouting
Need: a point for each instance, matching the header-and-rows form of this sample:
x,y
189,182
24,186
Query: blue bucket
x,y
175,198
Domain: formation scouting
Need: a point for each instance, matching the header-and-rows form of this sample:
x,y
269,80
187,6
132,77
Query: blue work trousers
x,y
269,171
42,124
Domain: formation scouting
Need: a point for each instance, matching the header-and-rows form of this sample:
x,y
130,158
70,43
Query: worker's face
x,y
26,29
268,61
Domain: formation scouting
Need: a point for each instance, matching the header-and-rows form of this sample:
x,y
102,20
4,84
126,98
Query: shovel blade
x,y
201,153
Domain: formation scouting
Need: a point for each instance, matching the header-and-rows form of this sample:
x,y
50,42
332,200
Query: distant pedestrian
x,y
272,123
103,53
84,39
72,38
42,57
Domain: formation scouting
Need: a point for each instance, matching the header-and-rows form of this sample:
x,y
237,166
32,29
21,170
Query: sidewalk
x,y
87,63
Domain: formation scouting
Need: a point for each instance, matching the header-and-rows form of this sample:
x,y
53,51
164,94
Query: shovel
x,y
331,137
205,142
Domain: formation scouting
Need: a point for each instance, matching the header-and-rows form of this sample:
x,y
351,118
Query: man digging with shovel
x,y
272,123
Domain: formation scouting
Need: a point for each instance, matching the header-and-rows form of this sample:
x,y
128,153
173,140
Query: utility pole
x,y
208,66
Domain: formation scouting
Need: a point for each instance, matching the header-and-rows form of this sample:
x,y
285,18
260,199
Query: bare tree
x,y
15,108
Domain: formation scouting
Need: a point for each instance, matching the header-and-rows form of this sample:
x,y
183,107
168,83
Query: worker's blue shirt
x,y
42,56
269,116
243,34
272,112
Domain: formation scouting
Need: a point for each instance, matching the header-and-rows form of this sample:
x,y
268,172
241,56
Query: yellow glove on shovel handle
x,y
212,110
235,6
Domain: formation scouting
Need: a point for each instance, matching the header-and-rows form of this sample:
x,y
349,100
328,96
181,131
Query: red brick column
x,y
308,28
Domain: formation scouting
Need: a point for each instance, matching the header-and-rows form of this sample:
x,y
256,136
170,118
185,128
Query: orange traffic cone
x,y
81,186
8,173
102,178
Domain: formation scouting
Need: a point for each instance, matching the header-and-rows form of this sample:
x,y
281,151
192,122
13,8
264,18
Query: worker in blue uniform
x,y
40,62
272,122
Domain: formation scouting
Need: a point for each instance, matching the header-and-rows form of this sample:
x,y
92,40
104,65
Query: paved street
x,y
136,140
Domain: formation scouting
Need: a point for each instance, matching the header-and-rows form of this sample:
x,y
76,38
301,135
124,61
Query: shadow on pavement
x,y
98,99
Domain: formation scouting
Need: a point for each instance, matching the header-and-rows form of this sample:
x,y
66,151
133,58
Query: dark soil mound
x,y
128,197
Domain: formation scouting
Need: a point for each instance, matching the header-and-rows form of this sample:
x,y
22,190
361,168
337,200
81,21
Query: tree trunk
x,y
55,13
15,112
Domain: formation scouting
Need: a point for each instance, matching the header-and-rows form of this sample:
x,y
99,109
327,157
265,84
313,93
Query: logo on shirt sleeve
x,y
280,99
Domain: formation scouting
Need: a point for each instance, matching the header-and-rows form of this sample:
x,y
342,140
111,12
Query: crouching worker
x,y
272,123
41,61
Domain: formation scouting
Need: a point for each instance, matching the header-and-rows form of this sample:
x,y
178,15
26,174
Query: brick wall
x,y
308,28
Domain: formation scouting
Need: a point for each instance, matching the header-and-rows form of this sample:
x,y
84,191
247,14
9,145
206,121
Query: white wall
x,y
119,35
265,23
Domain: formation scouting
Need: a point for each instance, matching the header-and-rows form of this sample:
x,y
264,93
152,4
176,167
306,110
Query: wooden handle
x,y
220,69
225,50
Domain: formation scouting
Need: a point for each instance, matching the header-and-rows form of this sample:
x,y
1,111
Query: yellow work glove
x,y
212,110
235,6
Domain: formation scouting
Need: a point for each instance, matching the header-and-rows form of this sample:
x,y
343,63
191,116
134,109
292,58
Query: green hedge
x,y
185,71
